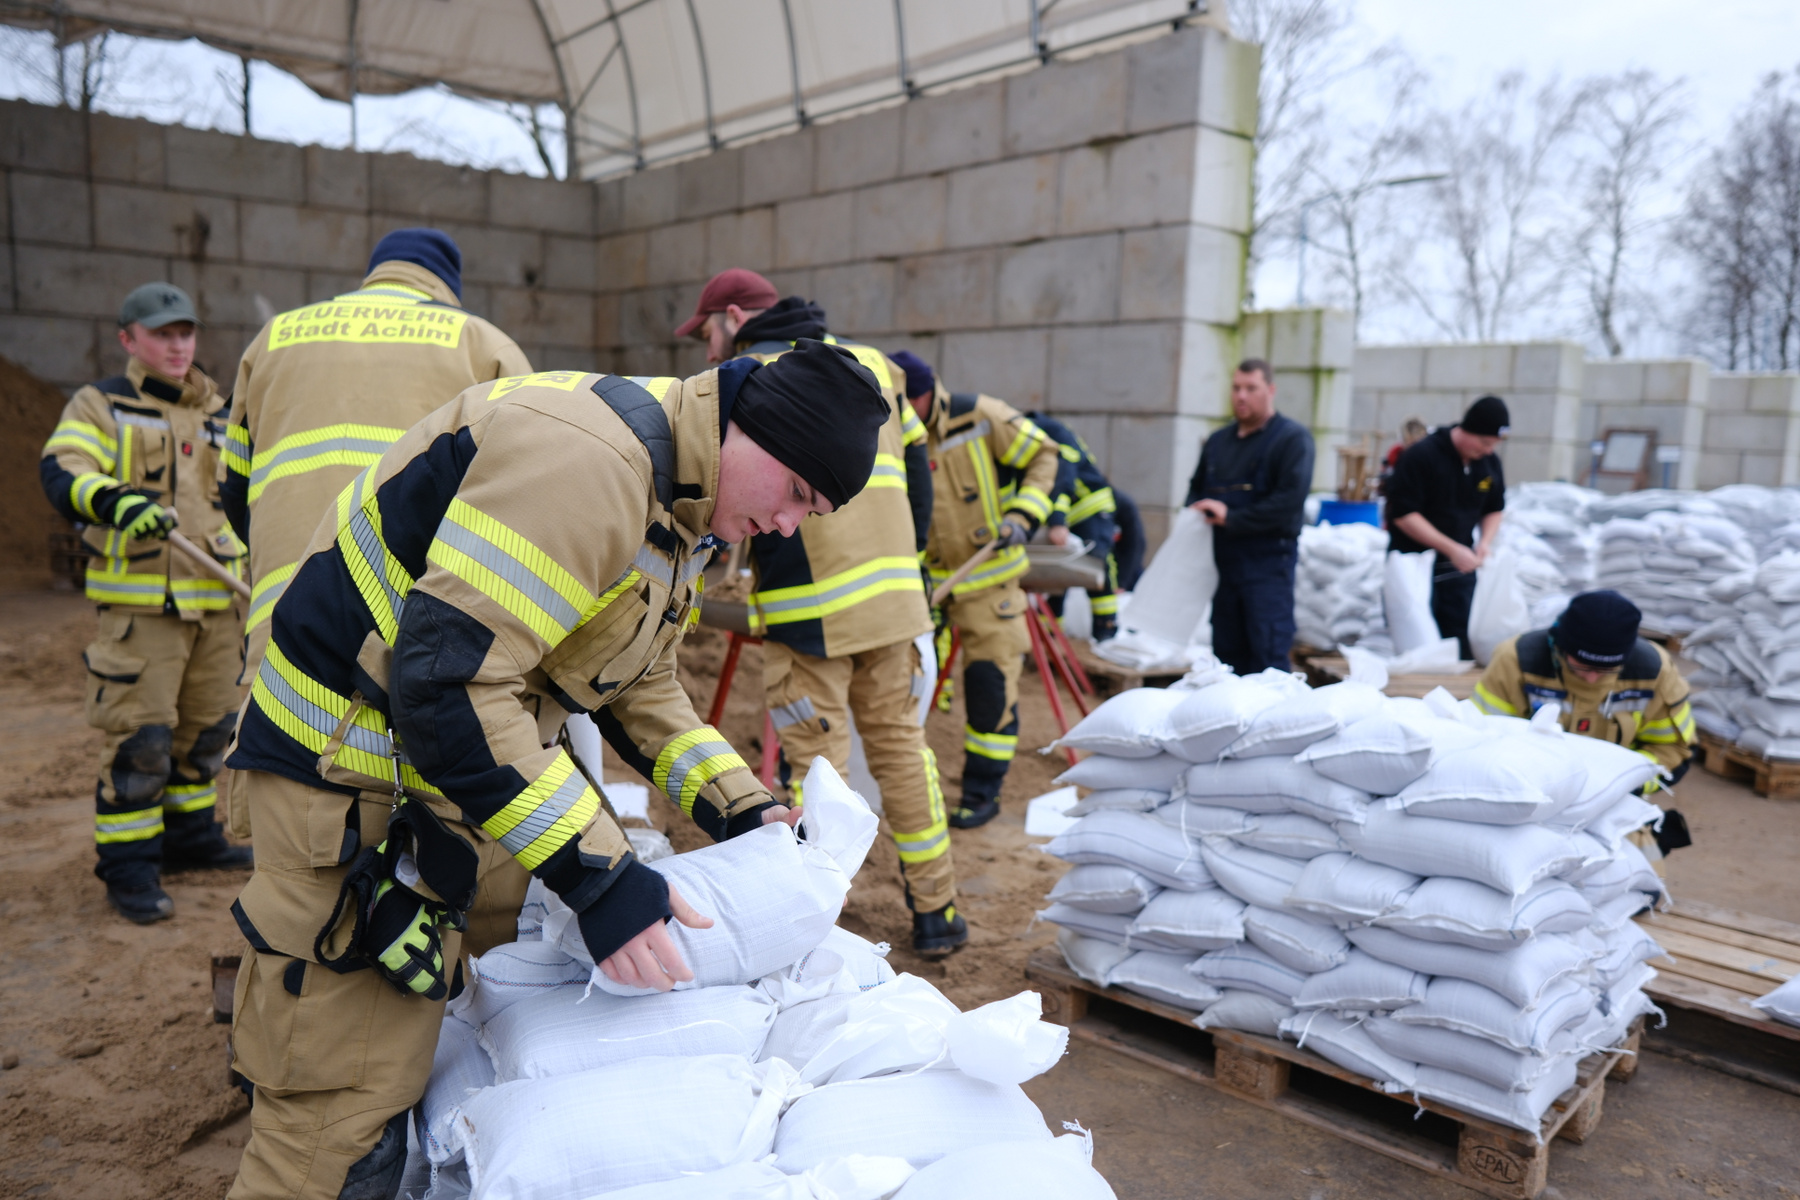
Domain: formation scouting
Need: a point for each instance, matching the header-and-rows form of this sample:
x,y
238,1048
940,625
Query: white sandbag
x,y
1248,1012
507,974
841,963
1134,840
1612,771
1521,1110
1613,914
1379,754
1209,919
1347,890
1293,941
1246,968
1090,958
560,1033
1128,799
921,1117
1210,719
1505,781
1629,814
1522,973
1620,951
1470,1008
1132,724
1253,876
1108,927
1165,977
1060,1169
1476,1057
1406,598
1509,858
1625,870
1783,1003
537,1139
1447,909
1006,1041
1362,984
1499,608
459,1069
802,1028
856,1177
533,911
1176,589
1350,1047
1104,772
1293,835
1104,888
1268,785
898,1026
1293,724
1197,820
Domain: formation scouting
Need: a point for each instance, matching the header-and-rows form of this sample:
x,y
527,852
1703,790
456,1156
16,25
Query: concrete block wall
x,y
1752,430
95,205
1670,396
1313,351
1071,239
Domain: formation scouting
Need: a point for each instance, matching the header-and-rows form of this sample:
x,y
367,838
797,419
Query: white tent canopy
x,y
641,81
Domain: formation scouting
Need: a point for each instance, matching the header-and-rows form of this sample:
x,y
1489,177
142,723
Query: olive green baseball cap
x,y
157,304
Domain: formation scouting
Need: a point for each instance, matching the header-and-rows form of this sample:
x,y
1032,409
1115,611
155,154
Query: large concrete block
x,y
813,231
1773,394
1682,381
498,256
648,317
712,183
1745,431
1613,383
1312,338
279,235
1163,81
1060,282
1728,393
1230,72
427,193
566,358
1066,104
1541,415
1362,412
795,282
1548,367
227,164
903,217
534,315
644,360
125,151
609,205
1115,368
569,262
1526,461
942,292
49,208
81,283
1764,470
606,320
6,278
622,261
1177,271
1153,457
1209,353
651,197
953,129
1222,169
1096,431
859,150
233,294
1013,364
1147,180
40,138
61,350
155,221
1485,366
741,239
778,169
1002,202
1717,468
857,298
323,285
1383,367
1434,408
549,205
337,178
677,253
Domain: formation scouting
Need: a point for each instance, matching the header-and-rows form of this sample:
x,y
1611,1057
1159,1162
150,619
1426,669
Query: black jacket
x,y
1263,479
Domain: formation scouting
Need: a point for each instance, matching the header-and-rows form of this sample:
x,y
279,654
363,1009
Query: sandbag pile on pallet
x,y
1750,659
1665,562
1337,586
796,1066
1433,898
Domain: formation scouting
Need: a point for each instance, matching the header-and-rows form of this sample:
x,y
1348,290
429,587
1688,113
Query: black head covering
x,y
1487,417
1598,629
785,321
817,411
920,378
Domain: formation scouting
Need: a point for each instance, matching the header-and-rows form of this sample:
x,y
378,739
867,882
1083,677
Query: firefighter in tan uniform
x,y
992,472
839,605
531,549
131,457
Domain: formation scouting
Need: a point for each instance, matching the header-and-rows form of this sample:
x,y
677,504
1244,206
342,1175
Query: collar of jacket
x,y
693,409
940,410
412,275
196,388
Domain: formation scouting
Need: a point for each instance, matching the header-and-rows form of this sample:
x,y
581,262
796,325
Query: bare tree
x,y
544,137
89,59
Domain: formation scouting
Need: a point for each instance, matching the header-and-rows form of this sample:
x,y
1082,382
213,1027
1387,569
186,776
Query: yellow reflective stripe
x,y
1493,705
86,487
986,482
1092,505
1031,501
124,586
84,438
380,579
1009,563
508,569
1675,728
834,593
934,840
553,809
205,595
344,445
690,762
562,381
139,825
889,472
265,592
1024,444
189,797
1069,453
1104,605
997,746
871,358
236,453
912,430
657,385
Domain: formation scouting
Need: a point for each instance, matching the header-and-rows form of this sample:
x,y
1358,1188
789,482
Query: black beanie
x,y
920,378
1487,417
432,249
817,411
1598,629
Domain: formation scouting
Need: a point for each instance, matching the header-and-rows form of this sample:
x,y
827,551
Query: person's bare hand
x,y
1213,510
1464,559
651,959
1058,535
782,813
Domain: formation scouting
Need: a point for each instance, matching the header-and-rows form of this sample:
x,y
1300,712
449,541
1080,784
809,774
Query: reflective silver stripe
x,y
695,564
522,577
545,815
260,471
838,592
142,589
887,469
979,429
373,551
269,596
938,839
357,737
690,758
792,714
152,819
142,422
654,564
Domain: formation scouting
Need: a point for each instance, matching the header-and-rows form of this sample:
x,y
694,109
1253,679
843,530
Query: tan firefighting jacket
x,y
1644,707
988,460
141,433
848,581
531,549
324,390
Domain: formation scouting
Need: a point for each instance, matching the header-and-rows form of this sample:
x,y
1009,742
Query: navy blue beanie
x,y
920,378
432,249
1598,629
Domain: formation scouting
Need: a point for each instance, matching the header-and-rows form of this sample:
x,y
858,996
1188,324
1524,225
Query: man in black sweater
x,y
1251,487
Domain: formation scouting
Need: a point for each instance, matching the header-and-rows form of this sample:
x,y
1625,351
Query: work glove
x,y
403,935
1012,533
140,517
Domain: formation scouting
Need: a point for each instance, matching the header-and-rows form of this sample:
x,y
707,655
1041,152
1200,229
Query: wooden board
x,y
1722,959
1109,678
1471,1150
1776,780
1462,686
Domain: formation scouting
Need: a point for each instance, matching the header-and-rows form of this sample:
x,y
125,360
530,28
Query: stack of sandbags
x,y
1556,514
1665,562
828,1076
1763,649
1769,517
1337,584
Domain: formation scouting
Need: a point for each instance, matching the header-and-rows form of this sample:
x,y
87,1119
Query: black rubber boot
x,y
212,852
142,905
938,934
376,1175
973,813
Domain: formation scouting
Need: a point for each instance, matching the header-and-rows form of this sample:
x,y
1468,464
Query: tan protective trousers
x,y
812,699
335,1062
994,642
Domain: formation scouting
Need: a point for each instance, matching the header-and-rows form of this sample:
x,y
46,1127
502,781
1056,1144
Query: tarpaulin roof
x,y
642,80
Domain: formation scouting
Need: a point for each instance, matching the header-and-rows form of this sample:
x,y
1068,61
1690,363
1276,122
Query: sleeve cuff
x,y
638,899
749,820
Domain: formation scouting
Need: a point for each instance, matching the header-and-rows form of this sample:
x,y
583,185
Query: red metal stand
x,y
1054,656
771,748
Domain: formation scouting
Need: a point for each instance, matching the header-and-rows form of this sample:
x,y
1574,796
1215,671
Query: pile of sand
x,y
28,411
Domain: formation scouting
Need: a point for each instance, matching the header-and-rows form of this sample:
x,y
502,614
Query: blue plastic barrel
x,y
1350,512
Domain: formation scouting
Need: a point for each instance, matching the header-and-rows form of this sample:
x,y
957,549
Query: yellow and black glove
x,y
403,937
138,516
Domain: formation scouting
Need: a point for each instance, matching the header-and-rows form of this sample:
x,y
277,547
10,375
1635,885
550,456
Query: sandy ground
x,y
119,1088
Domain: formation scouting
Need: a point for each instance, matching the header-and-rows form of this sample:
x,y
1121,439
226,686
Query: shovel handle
x,y
963,572
208,563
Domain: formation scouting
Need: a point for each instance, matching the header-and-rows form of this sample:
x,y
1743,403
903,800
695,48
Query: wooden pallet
x,y
1109,678
1473,1151
1776,780
1334,667
1720,960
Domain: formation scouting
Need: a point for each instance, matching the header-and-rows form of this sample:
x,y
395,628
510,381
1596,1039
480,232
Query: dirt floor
x,y
119,1090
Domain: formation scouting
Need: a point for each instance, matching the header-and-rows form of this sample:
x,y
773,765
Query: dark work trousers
x,y
1452,595
1253,610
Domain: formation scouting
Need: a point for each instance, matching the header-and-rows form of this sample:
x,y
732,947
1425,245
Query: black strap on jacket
x,y
647,420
